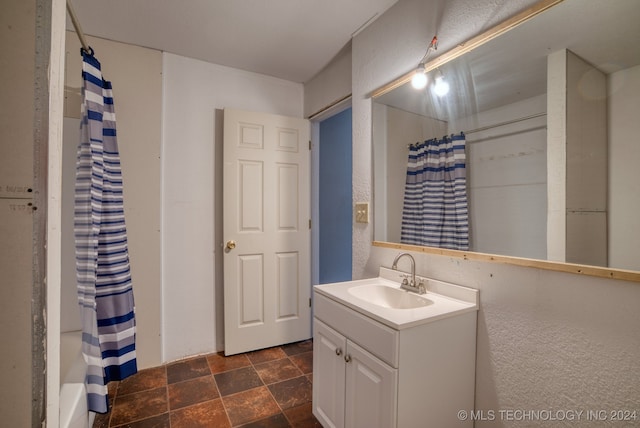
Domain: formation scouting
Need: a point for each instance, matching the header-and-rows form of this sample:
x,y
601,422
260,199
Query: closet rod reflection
x,y
496,125
508,122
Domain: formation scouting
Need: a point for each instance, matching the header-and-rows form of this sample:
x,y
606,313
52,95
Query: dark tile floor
x,y
267,388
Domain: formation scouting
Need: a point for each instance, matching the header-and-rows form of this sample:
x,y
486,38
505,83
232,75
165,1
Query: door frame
x,y
315,120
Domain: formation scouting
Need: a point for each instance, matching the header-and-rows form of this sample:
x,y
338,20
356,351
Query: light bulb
x,y
441,87
419,79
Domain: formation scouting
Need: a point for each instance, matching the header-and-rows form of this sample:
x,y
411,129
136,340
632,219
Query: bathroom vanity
x,y
384,357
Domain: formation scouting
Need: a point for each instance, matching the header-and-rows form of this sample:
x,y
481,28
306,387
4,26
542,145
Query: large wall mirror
x,y
550,109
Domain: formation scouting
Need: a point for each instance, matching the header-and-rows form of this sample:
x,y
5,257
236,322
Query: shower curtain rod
x,y
496,125
76,25
507,122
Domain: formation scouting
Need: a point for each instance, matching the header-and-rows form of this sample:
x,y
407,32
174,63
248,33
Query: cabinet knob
x,y
347,358
231,245
338,351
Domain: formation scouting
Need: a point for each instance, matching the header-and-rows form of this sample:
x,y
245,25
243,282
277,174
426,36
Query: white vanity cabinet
x,y
353,387
368,372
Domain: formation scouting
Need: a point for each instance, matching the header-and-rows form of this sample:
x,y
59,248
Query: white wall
x,y
136,74
194,93
17,41
546,340
624,158
507,181
557,156
379,135
577,160
330,85
69,308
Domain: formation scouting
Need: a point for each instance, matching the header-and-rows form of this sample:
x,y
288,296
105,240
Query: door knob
x,y
231,245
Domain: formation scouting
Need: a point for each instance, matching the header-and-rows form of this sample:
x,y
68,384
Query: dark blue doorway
x,y
335,198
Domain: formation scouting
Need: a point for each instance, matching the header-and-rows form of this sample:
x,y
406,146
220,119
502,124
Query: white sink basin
x,y
389,297
382,299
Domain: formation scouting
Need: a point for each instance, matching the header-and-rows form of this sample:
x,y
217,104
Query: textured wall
x,y
546,340
577,161
624,157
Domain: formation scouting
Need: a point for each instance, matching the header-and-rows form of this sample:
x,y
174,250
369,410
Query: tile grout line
x,y
252,364
113,405
170,410
224,407
267,387
166,390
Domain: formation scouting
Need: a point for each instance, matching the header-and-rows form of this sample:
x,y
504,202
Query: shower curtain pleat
x,y
435,210
105,292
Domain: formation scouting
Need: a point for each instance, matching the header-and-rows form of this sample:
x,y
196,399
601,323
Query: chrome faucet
x,y
406,284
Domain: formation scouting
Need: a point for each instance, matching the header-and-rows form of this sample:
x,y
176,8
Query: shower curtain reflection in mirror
x,y
435,211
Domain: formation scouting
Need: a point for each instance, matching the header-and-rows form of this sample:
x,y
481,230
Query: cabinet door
x,y
328,375
371,390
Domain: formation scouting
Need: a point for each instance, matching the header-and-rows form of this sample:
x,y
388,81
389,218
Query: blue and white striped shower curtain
x,y
105,291
435,211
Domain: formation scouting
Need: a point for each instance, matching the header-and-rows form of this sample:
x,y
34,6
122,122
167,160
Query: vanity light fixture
x,y
419,79
441,87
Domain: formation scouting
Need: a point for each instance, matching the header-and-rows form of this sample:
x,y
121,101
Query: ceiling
x,y
288,39
513,66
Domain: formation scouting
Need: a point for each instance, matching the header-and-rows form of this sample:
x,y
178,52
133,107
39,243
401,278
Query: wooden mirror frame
x,y
461,49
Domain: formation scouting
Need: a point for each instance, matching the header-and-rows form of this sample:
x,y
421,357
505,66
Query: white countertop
x,y
449,300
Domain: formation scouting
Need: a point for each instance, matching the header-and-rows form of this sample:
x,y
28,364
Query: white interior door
x,y
266,214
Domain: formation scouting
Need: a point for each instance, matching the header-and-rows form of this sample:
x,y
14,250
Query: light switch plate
x,y
362,212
